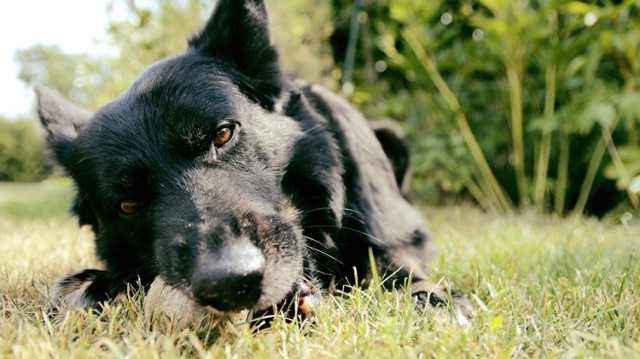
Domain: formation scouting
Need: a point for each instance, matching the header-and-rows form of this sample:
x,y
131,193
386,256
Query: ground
x,y
541,286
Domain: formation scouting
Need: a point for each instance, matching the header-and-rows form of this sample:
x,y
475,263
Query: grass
x,y
542,287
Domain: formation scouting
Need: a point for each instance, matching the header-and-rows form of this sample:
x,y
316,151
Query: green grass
x,y
32,200
541,286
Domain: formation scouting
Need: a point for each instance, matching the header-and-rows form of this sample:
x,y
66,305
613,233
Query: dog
x,y
235,183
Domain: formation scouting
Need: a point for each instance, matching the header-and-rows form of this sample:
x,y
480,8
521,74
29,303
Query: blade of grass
x,y
490,186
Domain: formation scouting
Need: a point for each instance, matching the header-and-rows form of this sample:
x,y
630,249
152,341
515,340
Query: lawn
x,y
541,286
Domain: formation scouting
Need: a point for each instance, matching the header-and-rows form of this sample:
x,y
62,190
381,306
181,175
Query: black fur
x,y
299,194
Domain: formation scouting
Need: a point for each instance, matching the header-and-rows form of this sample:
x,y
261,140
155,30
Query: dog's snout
x,y
228,291
231,280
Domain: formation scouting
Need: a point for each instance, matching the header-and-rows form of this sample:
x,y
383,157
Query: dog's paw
x,y
84,290
437,295
298,306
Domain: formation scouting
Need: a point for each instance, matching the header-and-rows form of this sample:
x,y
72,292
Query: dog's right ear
x,y
238,32
61,120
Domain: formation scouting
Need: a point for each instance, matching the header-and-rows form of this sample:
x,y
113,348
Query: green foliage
x,y
79,77
533,87
141,33
144,34
21,152
515,103
156,30
50,198
301,31
627,172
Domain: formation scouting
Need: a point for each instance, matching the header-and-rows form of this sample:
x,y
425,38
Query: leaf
x,y
604,114
496,27
400,11
630,156
612,172
629,153
629,106
413,11
579,7
544,124
634,186
496,6
575,65
597,111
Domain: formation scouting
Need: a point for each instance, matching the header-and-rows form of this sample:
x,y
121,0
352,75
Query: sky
x,y
74,25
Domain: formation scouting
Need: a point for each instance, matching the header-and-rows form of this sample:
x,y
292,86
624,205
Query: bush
x,y
543,95
21,152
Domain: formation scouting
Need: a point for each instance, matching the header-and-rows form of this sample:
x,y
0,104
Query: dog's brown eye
x,y
223,136
129,206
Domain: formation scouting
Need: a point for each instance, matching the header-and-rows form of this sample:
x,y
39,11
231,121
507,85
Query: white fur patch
x,y
70,296
278,107
164,301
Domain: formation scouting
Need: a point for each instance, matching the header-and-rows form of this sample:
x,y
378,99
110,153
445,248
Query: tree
x,y
76,76
21,151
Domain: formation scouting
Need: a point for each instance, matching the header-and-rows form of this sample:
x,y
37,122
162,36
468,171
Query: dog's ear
x,y
61,120
238,32
396,148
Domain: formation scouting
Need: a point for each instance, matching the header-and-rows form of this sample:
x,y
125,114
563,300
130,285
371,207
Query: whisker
x,y
316,270
348,229
327,208
312,129
324,245
319,251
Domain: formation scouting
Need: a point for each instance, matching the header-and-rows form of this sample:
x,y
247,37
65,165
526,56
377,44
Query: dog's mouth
x,y
299,302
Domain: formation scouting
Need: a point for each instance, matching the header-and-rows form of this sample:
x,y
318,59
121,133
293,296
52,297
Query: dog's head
x,y
183,175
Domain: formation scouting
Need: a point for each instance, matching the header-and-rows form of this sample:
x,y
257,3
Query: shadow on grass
x,y
50,198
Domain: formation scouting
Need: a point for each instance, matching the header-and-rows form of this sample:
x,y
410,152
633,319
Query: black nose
x,y
231,280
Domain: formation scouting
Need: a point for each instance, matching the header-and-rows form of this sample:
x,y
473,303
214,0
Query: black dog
x,y
235,183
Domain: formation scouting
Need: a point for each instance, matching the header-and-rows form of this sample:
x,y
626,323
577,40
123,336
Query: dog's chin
x,y
166,301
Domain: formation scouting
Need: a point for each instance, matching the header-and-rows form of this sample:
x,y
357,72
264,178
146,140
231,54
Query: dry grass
x,y
541,286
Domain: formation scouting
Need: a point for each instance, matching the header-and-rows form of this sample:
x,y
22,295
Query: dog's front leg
x,y
84,290
435,294
297,306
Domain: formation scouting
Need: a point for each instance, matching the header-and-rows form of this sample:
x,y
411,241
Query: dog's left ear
x,y
61,120
396,147
238,32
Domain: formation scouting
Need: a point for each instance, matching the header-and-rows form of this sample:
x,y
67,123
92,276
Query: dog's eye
x,y
129,206
223,135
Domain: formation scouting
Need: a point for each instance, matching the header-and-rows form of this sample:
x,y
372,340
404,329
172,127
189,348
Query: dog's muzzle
x,y
231,279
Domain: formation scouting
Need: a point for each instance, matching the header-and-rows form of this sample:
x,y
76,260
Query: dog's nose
x,y
231,280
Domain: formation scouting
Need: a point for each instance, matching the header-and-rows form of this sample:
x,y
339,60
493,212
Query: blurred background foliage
x,y
22,157
509,103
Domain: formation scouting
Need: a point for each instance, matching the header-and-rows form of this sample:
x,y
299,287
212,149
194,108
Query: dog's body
x,y
233,182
